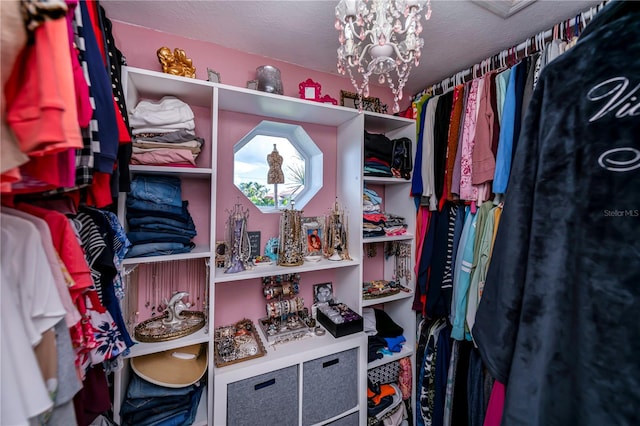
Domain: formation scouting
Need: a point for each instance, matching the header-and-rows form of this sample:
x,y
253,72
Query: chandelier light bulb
x,y
374,40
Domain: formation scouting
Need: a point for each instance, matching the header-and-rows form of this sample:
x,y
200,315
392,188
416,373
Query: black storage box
x,y
353,322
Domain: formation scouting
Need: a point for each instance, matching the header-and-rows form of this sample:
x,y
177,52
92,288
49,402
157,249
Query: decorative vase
x,y
269,79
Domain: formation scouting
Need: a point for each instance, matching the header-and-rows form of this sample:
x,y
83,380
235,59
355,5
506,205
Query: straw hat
x,y
175,368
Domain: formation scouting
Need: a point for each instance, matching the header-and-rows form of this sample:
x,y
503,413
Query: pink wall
x,y
242,299
139,45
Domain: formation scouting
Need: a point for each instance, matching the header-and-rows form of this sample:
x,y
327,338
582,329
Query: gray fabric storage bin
x,y
329,386
350,420
270,398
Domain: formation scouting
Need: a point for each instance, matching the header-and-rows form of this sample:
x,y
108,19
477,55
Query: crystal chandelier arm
x,y
409,22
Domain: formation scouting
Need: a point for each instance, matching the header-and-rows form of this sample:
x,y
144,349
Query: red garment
x,y
92,8
67,246
100,190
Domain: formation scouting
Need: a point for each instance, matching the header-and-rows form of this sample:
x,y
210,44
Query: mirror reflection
x,y
277,164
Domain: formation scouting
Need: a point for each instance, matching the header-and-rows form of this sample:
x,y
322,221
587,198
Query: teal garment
x,y
505,143
502,80
464,261
481,261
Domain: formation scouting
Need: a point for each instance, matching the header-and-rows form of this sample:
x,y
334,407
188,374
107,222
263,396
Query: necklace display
x,y
291,249
337,236
401,251
238,240
372,250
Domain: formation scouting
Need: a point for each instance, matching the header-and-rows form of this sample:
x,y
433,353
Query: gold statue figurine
x,y
176,62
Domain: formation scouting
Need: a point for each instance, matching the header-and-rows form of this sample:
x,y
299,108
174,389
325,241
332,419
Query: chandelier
x,y
380,37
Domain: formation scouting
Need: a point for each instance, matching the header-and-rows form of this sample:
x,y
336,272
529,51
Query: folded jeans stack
x,y
159,221
148,404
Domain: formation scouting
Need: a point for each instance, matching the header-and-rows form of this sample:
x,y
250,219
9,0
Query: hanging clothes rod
x,y
508,57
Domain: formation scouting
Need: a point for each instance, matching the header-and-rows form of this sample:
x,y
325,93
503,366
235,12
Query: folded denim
x,y
139,208
140,388
158,249
137,409
176,417
145,237
184,223
157,189
152,206
162,227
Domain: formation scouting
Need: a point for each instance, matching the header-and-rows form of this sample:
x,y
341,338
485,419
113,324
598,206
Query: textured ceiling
x,y
459,34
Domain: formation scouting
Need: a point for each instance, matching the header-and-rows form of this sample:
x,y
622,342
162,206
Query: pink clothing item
x,y
162,156
496,405
467,190
38,94
484,162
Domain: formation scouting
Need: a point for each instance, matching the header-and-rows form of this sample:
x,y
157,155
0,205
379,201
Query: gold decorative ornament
x,y
176,62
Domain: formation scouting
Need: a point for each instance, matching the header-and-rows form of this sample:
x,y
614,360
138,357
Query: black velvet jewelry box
x,y
353,322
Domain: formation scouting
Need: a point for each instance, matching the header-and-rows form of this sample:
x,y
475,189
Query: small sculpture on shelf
x,y
275,175
238,240
291,249
177,321
337,236
176,62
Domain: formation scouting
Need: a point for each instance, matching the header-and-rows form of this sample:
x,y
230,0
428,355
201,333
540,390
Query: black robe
x,y
557,322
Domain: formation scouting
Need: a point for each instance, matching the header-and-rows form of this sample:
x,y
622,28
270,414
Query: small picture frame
x,y
222,253
309,90
326,99
313,236
352,100
252,84
323,293
213,76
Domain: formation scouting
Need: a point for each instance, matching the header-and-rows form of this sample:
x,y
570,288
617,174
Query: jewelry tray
x,y
230,343
154,330
282,336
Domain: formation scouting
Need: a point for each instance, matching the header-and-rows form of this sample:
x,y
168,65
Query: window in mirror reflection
x,y
252,170
277,164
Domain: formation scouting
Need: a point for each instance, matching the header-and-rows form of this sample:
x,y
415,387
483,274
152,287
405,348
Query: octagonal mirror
x,y
277,164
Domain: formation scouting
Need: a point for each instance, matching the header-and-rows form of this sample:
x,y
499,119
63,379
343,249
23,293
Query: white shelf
x,y
199,252
142,348
178,171
380,180
383,239
281,355
398,296
405,352
384,123
273,269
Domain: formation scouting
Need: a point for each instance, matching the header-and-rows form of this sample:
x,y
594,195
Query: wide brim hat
x,y
174,368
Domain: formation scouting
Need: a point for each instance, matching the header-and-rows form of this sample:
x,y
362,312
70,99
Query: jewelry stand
x,y
238,240
287,319
290,250
337,236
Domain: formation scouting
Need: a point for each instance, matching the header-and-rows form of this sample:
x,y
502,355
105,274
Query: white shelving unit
x,y
395,193
213,102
